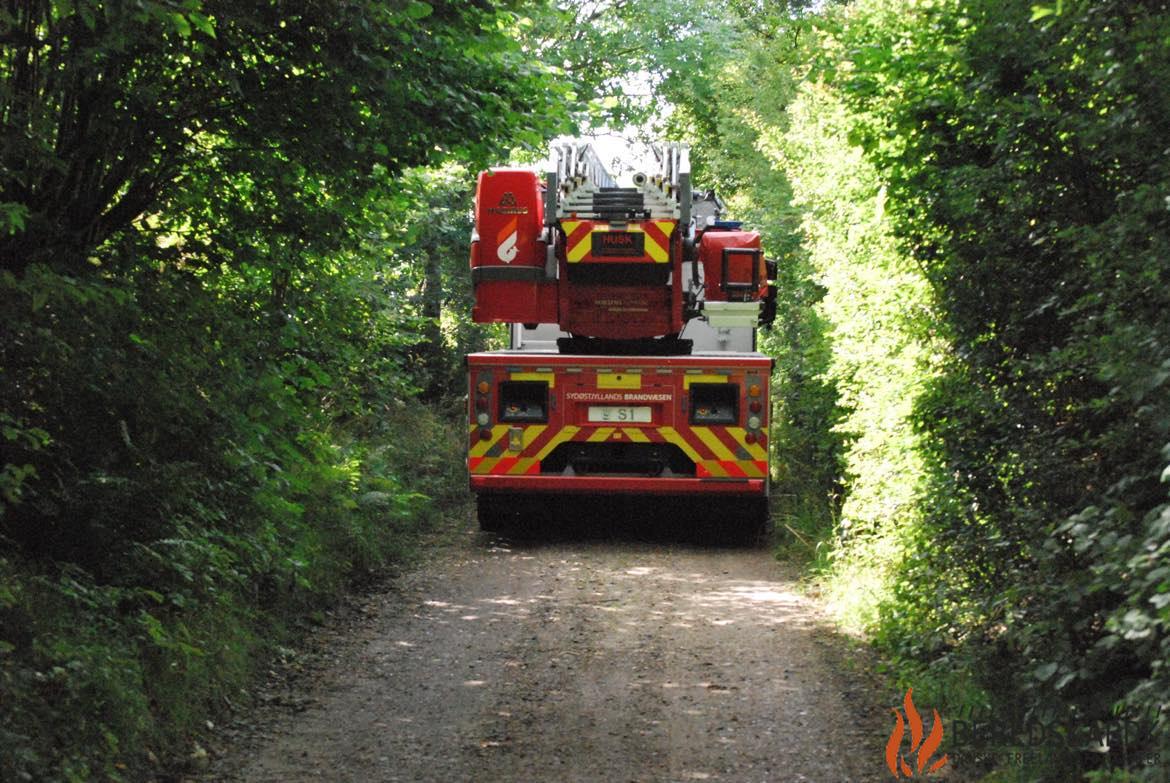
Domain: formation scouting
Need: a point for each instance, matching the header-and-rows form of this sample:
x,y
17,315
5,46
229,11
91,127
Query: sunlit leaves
x,y
1041,11
988,230
418,10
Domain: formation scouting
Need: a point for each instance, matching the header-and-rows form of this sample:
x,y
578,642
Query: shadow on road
x,y
725,523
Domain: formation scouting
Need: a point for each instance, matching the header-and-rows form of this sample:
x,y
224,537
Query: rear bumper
x,y
623,485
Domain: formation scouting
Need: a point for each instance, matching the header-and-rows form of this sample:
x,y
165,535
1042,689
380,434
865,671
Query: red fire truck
x,y
632,368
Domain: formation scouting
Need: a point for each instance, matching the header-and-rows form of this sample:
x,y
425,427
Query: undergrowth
x,y
113,660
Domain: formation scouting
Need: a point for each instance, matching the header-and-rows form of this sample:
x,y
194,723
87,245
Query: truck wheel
x,y
755,521
491,514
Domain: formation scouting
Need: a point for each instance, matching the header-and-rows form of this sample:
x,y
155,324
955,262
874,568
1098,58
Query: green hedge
x,y
983,225
1015,149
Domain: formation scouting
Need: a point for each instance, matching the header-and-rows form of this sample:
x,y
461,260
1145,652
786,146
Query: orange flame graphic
x,y
894,760
508,229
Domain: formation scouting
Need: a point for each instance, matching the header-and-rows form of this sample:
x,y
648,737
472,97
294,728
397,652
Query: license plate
x,y
620,414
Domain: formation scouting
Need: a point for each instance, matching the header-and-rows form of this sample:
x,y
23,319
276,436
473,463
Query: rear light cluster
x,y
482,405
755,419
517,402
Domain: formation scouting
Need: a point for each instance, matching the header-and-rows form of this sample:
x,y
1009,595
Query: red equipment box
x,y
508,256
733,266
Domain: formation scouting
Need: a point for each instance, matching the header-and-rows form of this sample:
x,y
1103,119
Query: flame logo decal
x,y
507,239
925,748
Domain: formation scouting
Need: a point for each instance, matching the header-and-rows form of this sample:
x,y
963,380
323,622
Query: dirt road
x,y
583,661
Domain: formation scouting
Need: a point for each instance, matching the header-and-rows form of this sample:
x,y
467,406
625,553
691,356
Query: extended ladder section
x,y
621,268
579,186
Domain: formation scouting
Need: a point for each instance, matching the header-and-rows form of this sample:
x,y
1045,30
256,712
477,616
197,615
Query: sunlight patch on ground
x,y
763,593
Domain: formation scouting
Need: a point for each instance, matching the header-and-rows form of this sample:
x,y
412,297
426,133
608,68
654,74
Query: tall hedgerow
x,y
1014,146
985,232
879,317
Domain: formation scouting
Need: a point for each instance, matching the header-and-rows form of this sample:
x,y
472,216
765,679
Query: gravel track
x,y
579,661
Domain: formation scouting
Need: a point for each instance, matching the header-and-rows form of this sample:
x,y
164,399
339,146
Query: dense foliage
x,y
216,274
727,105
984,220
1017,155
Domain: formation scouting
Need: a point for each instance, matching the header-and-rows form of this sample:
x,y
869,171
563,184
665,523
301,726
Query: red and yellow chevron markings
x,y
734,456
718,452
492,457
656,243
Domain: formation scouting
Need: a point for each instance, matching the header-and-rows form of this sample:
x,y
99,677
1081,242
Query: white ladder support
x,y
576,174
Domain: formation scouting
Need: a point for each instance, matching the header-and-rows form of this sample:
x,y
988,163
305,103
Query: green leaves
x,y
418,10
12,217
202,23
1043,11
998,380
212,277
1010,198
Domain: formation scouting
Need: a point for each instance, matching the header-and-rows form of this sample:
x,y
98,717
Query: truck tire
x,y
755,522
493,518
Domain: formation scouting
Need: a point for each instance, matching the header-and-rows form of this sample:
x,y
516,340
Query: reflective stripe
x,y
710,468
636,435
547,377
656,236
704,378
531,434
504,466
714,444
481,447
565,434
757,452
658,240
619,380
578,241
601,434
718,453
670,435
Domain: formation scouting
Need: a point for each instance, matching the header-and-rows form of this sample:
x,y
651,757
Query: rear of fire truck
x,y
632,368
